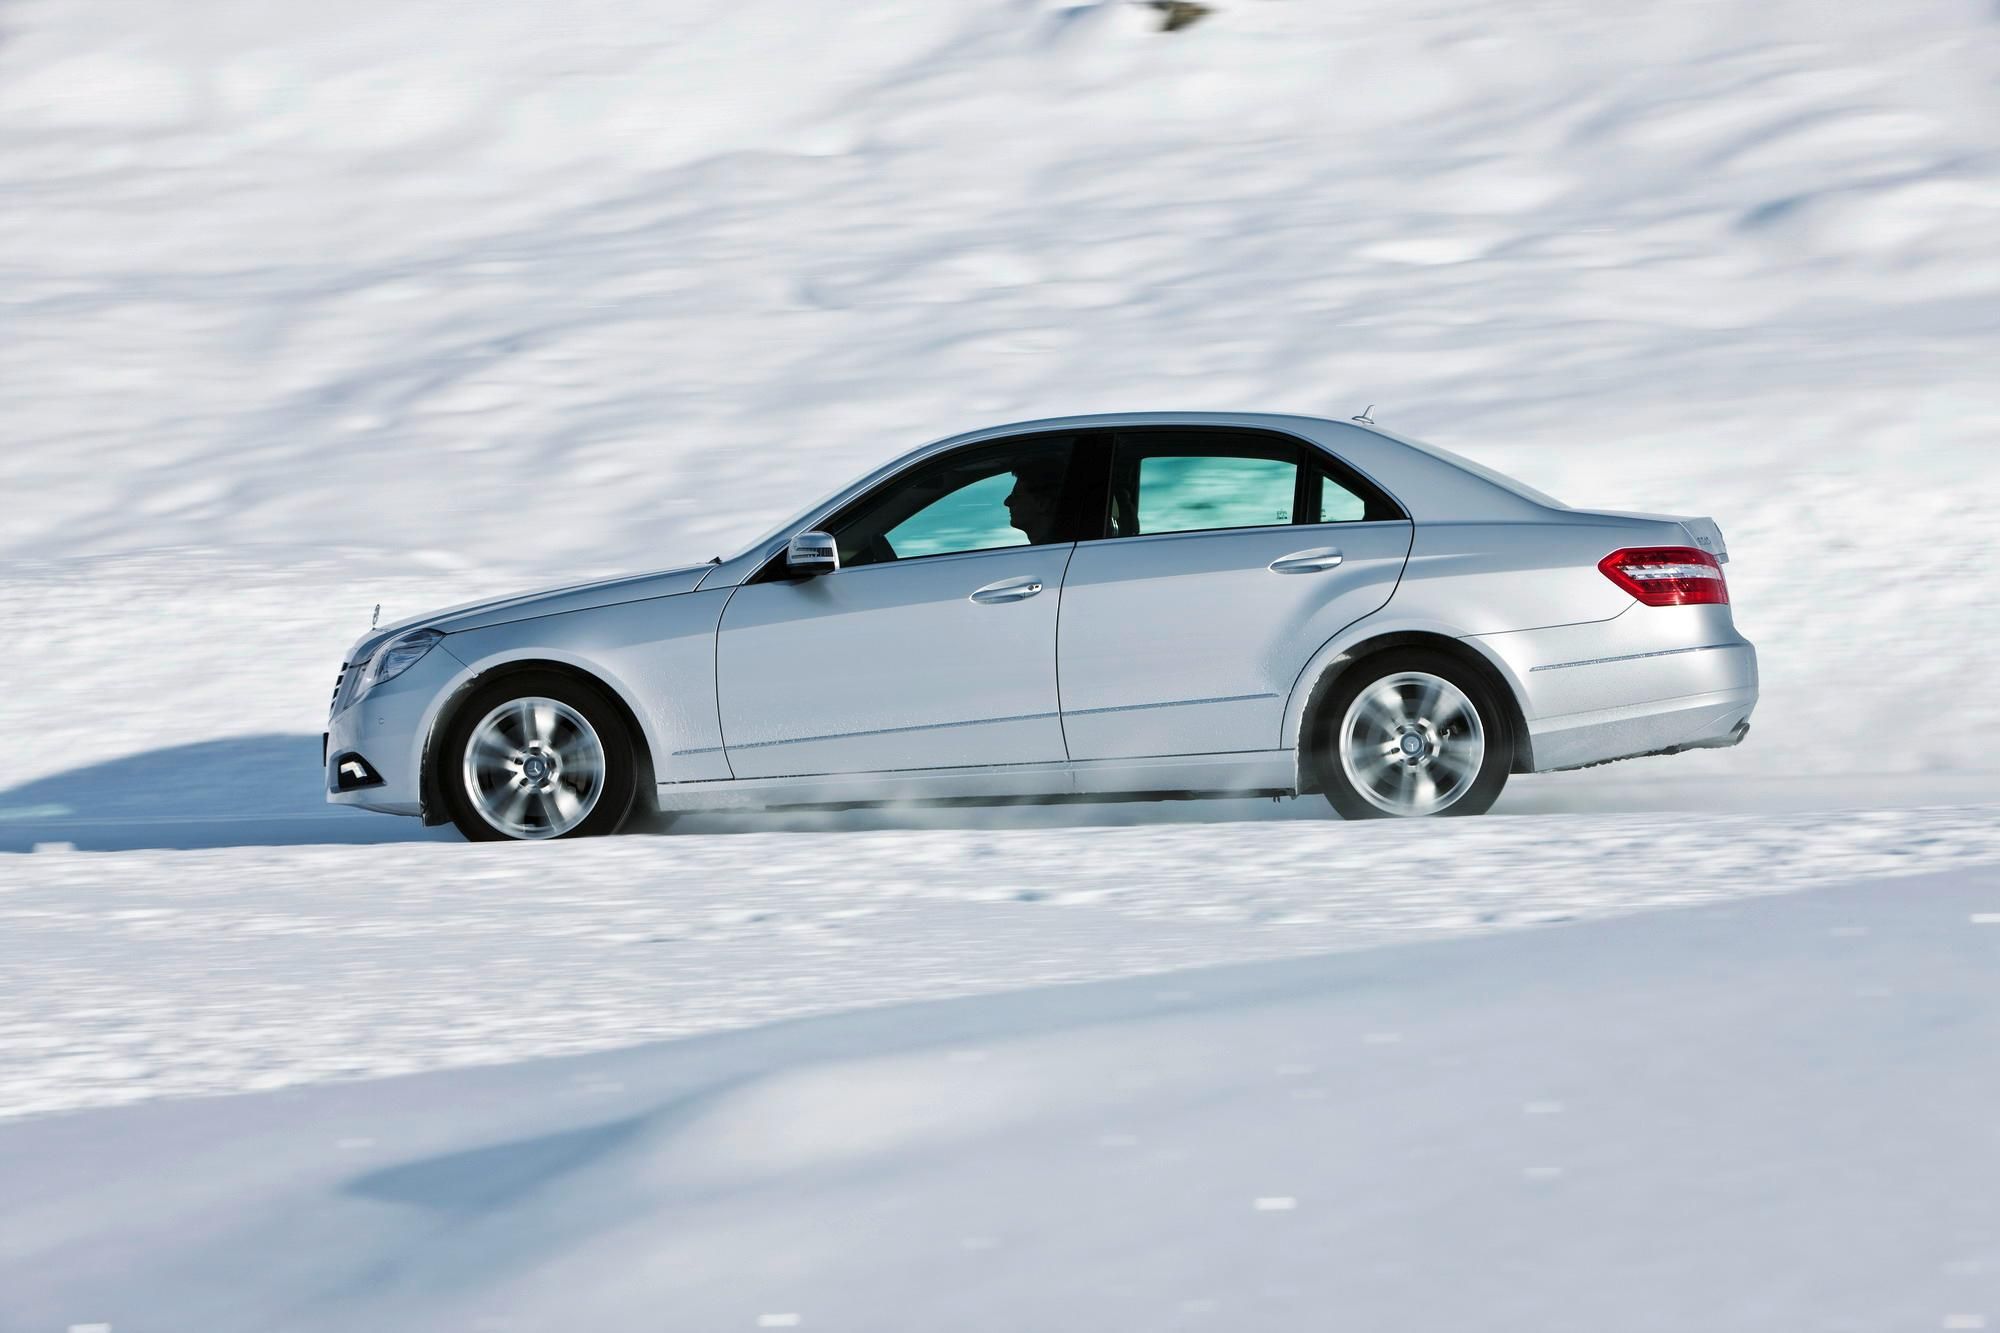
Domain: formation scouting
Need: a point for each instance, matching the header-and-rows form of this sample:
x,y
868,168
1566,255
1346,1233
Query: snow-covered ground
x,y
173,973
1737,1118
305,309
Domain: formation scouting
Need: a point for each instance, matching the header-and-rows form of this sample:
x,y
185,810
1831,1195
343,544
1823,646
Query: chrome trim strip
x,y
1171,703
980,722
1632,657
878,731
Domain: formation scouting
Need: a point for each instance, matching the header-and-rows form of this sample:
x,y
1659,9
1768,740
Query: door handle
x,y
1307,562
1007,590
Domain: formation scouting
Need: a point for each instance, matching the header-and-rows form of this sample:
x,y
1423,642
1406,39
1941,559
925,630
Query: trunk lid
x,y
1703,533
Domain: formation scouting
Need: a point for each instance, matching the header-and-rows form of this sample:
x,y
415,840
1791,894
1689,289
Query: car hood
x,y
545,602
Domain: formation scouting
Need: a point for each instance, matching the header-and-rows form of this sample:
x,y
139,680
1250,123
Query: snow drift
x,y
395,302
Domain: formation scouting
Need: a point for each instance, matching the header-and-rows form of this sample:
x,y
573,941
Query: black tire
x,y
1475,793
614,800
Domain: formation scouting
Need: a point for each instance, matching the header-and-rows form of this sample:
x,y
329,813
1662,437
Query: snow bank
x,y
396,303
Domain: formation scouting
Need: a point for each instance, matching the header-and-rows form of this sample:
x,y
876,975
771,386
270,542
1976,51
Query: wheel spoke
x,y
1458,761
1423,790
490,751
567,803
1384,712
515,808
1373,766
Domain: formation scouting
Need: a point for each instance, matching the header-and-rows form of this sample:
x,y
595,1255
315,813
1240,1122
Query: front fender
x,y
656,656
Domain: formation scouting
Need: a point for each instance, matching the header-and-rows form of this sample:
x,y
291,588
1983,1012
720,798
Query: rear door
x,y
1230,557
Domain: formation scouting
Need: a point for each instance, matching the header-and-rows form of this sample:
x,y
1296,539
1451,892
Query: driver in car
x,y
1031,505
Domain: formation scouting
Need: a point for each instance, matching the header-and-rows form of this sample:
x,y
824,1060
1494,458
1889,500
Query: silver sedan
x,y
1140,605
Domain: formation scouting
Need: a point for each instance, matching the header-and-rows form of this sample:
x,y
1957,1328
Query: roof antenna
x,y
375,619
1367,417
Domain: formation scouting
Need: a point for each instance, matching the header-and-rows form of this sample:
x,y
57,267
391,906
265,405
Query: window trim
x,y
1307,456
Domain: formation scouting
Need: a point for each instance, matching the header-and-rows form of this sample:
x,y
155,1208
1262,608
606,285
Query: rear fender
x,y
1379,634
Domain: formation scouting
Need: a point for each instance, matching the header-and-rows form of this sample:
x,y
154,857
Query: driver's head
x,y
1031,505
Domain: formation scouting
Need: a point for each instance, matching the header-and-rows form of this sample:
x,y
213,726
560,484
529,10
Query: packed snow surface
x,y
1741,1117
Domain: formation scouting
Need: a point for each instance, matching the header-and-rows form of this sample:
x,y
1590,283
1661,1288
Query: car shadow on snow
x,y
265,791
246,791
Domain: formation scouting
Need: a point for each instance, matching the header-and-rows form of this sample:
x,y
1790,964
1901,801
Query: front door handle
x,y
1307,562
1007,590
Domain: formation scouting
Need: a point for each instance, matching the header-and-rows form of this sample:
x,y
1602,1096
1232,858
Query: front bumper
x,y
386,732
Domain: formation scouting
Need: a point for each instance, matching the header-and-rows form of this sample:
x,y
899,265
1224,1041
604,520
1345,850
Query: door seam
x,y
1062,728
715,676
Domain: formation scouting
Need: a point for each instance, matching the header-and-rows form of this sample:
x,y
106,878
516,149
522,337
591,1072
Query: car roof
x,y
1432,485
1108,420
1385,458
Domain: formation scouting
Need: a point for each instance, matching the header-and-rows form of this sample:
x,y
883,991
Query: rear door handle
x,y
1307,562
1007,590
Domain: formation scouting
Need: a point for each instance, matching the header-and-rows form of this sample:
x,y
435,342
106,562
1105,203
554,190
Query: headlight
x,y
396,656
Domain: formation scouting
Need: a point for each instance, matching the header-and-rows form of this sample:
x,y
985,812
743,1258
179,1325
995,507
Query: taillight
x,y
1667,575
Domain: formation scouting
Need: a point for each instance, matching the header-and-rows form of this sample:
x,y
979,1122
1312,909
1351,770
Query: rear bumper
x,y
1654,680
1693,722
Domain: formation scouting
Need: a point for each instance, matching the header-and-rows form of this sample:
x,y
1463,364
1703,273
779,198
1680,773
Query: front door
x,y
1232,557
933,646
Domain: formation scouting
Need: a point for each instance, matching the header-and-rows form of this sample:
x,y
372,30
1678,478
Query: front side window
x,y
980,499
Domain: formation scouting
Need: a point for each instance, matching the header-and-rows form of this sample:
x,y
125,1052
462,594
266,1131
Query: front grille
x,y
333,704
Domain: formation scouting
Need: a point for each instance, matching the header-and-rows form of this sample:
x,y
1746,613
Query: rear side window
x,y
1328,501
1192,492
1196,480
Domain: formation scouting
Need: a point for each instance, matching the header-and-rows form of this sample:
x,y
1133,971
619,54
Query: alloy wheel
x,y
534,768
1412,743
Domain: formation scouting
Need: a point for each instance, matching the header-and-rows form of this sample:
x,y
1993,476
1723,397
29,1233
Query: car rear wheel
x,y
537,756
1413,734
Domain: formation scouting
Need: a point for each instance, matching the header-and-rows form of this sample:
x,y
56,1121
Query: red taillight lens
x,y
1667,575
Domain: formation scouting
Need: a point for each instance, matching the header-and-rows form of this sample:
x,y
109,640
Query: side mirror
x,y
810,553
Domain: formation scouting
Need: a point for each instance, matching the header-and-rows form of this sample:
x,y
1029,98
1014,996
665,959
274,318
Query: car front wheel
x,y
537,756
1413,734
